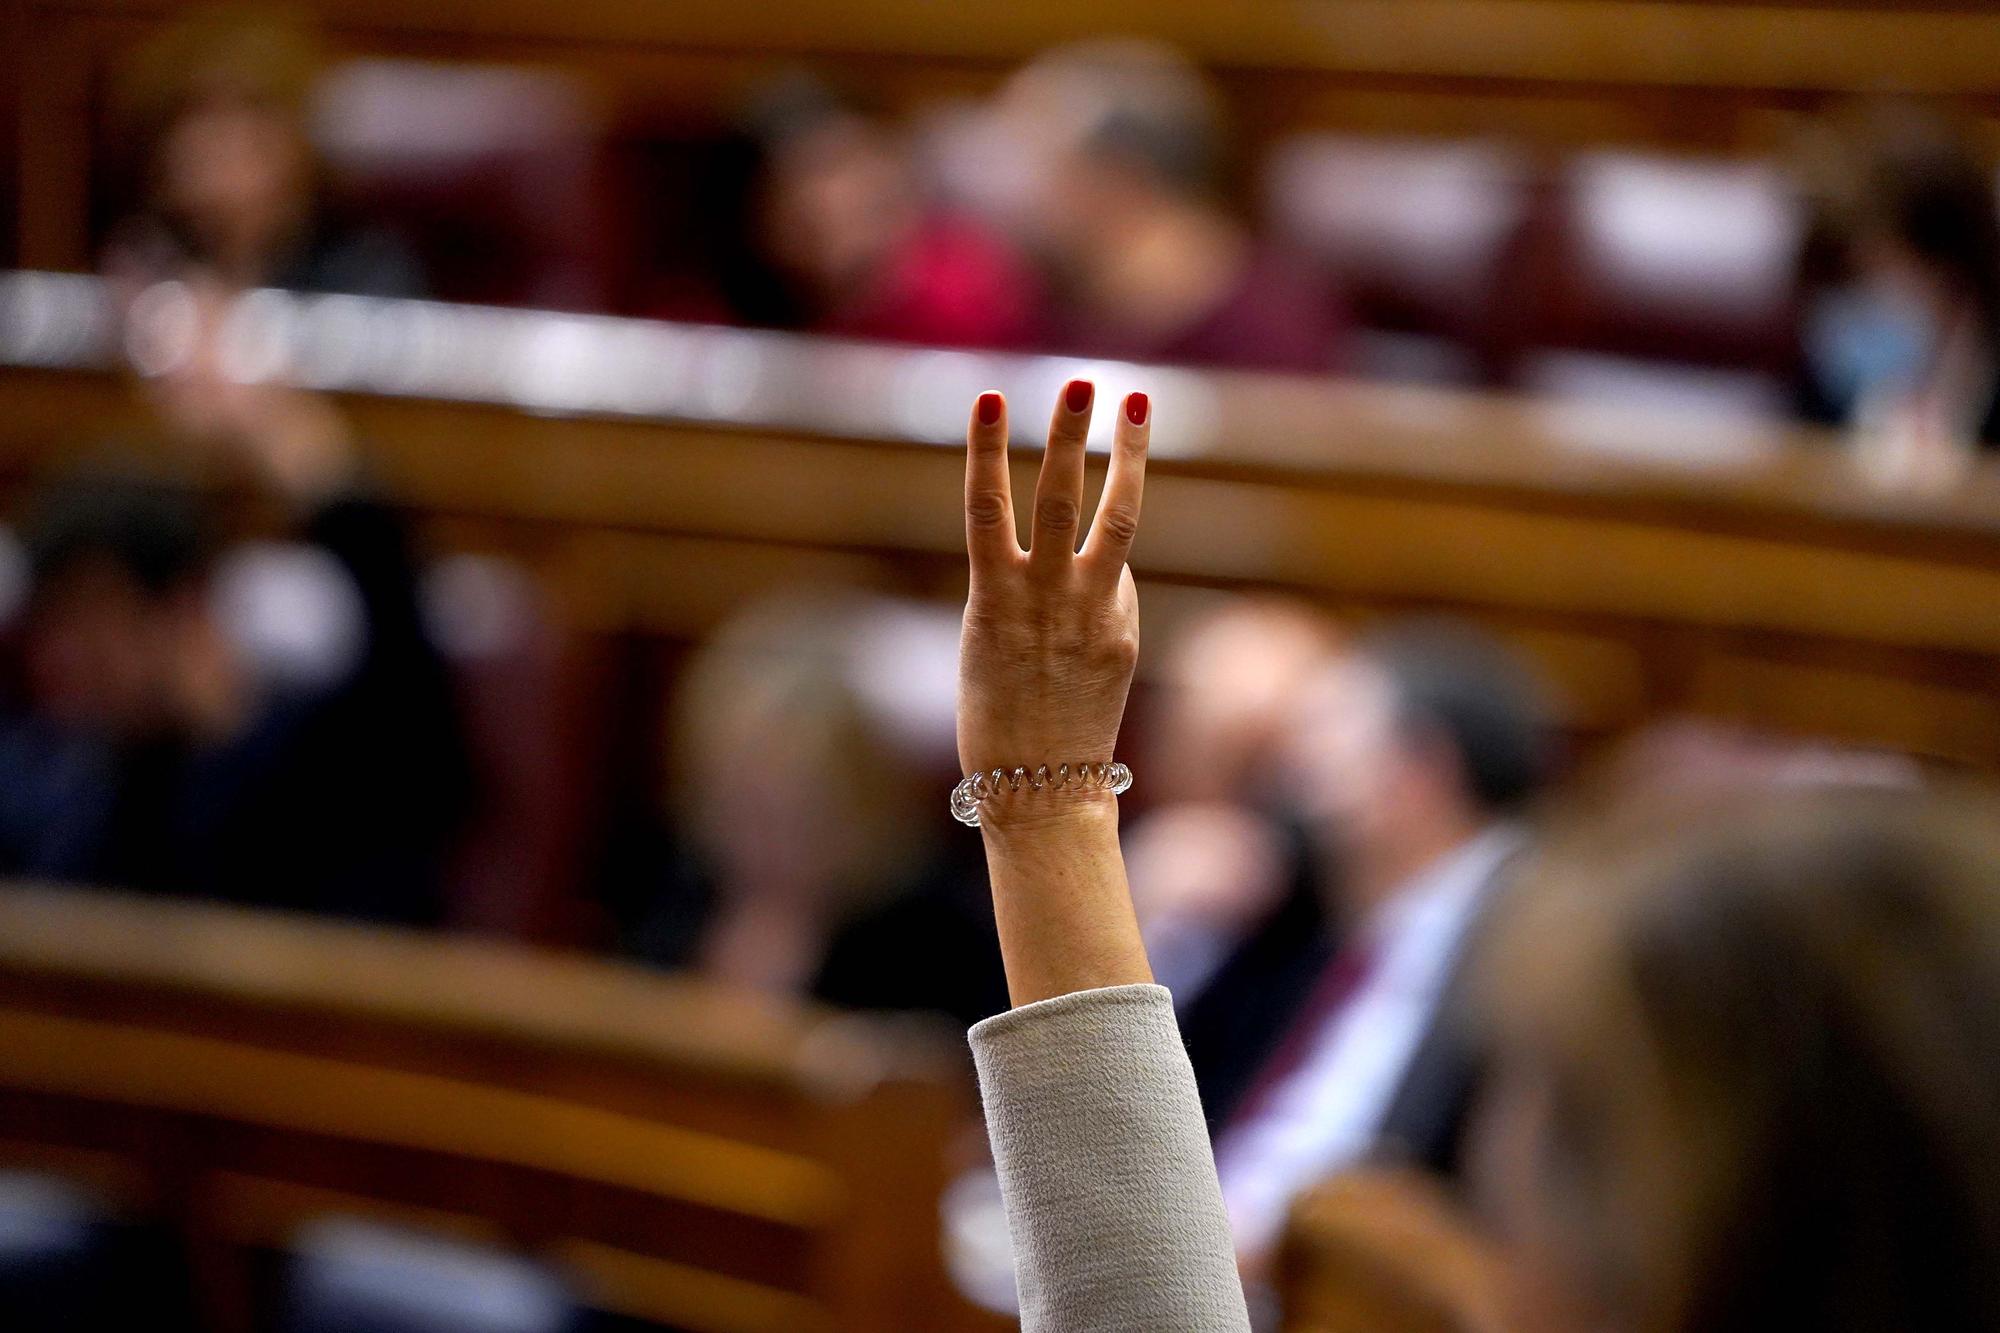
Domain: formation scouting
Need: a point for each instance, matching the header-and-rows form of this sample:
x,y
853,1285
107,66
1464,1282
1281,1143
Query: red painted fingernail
x,y
989,408
1077,396
1135,408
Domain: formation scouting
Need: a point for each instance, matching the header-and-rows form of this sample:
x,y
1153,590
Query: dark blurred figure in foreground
x,y
268,725
1416,751
1123,151
1225,884
860,248
1746,1076
224,174
1902,309
807,850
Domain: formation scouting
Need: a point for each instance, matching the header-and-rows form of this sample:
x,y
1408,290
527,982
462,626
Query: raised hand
x,y
1051,632
1051,636
1086,1088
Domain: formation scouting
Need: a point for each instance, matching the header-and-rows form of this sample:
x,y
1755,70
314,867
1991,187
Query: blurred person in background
x,y
265,724
1225,882
858,245
224,175
1416,750
1117,148
1902,303
805,851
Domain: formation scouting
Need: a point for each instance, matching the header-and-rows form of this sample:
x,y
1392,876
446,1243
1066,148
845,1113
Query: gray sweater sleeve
x,y
1105,1167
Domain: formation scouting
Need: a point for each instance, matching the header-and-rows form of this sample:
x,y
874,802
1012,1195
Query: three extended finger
x,y
1059,491
990,535
1117,522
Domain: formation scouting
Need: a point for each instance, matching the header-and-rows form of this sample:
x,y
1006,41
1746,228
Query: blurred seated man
x,y
1416,749
226,177
1226,887
1902,306
807,851
155,747
1123,148
859,247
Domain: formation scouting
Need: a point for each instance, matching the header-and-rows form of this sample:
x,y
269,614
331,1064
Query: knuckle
x,y
985,509
1120,523
1057,513
1115,642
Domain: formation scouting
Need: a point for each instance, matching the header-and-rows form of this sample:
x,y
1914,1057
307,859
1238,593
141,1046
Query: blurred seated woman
x,y
858,246
1117,147
1746,1076
1901,314
794,855
225,177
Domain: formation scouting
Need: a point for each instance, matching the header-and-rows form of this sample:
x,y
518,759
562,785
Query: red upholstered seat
x,y
1423,237
493,173
1668,280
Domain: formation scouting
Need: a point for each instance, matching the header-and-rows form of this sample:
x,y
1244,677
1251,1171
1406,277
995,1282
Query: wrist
x,y
1029,818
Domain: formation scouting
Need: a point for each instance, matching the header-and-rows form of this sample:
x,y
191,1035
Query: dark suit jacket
x,y
1234,1023
1427,1118
1238,1023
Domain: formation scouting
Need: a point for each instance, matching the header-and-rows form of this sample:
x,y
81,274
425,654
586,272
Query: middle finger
x,y
1059,491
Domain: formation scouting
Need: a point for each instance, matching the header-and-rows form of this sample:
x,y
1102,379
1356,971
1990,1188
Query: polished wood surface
x,y
1932,46
709,1160
1389,1251
1654,564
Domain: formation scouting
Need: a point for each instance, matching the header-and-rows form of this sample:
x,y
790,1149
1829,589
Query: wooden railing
x,y
1653,563
706,1160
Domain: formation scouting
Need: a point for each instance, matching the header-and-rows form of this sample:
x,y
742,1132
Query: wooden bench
x,y
705,1160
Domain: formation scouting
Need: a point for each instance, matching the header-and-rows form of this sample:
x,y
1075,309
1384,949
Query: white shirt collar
x,y
1439,899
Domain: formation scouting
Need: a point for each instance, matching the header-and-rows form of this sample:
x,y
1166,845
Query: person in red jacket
x,y
861,248
1113,157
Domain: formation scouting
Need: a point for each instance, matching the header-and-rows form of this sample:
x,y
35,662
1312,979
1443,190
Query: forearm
x,y
1104,1164
1059,895
1097,1131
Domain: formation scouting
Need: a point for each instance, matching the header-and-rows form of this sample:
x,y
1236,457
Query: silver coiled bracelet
x,y
971,791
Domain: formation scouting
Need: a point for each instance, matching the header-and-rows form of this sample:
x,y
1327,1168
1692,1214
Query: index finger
x,y
989,493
